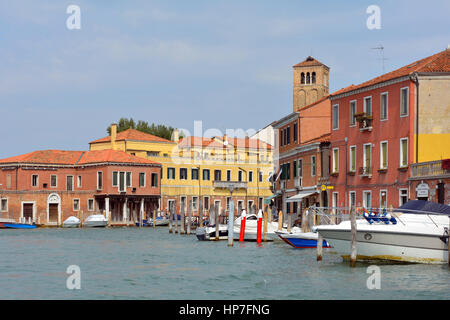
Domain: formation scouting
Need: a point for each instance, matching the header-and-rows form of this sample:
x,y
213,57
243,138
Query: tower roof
x,y
309,62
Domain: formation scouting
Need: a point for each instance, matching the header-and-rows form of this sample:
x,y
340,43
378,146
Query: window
x,y
240,175
228,175
403,196
294,134
154,179
335,117
294,168
53,180
367,161
195,203
90,204
76,204
383,154
4,205
205,203
367,199
352,199
313,77
121,181
170,173
404,101
335,160
79,181
250,205
335,199
128,179
368,106
183,174
384,106
300,167
302,78
286,168
260,176
69,183
99,180
205,174
141,179
114,179
281,138
313,166
383,199
308,78
404,152
152,153
352,158
218,204
194,173
8,181
288,137
352,113
250,176
34,180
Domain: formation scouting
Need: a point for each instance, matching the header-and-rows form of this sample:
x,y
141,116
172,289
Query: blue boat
x,y
17,226
302,239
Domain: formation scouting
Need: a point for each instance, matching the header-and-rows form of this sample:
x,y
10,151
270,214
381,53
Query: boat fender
x,y
392,219
367,217
384,217
374,216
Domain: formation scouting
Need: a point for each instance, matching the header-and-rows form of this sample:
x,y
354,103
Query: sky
x,y
225,63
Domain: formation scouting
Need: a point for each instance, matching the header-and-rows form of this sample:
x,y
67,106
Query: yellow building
x,y
198,169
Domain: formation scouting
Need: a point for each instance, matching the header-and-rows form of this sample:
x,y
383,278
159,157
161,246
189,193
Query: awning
x,y
300,196
268,199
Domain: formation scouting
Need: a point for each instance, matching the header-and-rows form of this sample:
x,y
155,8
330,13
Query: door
x,y
28,211
53,212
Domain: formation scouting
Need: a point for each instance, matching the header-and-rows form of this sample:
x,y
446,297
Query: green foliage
x,y
158,130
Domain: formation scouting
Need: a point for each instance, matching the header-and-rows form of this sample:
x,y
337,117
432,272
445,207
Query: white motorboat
x,y
299,239
251,224
71,222
95,221
417,235
159,221
209,232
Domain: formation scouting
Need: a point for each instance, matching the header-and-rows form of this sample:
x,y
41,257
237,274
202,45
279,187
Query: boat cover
x,y
422,205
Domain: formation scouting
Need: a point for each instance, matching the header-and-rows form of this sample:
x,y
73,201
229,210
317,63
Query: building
x,y
199,169
383,127
48,186
303,139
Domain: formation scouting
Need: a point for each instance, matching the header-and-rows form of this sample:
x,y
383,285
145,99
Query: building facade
x,y
199,170
381,127
49,186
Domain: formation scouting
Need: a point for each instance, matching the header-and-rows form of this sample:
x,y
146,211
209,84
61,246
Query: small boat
x,y
159,221
95,221
71,222
13,225
416,232
302,239
251,228
209,232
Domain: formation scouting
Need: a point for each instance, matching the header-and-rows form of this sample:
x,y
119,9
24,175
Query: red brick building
x,y
381,127
49,186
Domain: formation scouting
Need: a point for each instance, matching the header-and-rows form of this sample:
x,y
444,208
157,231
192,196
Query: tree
x,y
159,130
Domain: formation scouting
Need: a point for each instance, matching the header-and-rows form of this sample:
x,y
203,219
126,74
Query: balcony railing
x,y
365,121
227,184
429,169
365,172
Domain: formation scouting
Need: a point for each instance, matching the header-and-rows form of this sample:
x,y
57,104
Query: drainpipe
x,y
414,78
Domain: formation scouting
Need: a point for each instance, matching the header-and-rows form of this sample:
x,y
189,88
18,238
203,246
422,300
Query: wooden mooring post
x,y
319,247
154,218
175,214
280,220
265,225
217,222
200,216
231,223
170,218
353,242
183,219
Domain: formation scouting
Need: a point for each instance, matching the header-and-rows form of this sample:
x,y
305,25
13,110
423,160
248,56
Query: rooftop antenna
x,y
381,48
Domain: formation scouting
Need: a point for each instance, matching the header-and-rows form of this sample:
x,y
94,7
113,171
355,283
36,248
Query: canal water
x,y
147,263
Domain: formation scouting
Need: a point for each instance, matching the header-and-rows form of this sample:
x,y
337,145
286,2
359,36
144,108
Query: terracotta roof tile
x,y
308,62
439,62
132,134
62,157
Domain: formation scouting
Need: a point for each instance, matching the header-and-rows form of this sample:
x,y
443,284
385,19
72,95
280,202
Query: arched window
x,y
313,78
308,79
302,78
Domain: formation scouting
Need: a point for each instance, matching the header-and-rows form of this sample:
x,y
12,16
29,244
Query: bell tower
x,y
310,82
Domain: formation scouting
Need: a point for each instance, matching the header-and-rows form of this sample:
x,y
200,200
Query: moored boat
x,y
95,221
209,232
302,239
13,225
251,228
71,222
416,232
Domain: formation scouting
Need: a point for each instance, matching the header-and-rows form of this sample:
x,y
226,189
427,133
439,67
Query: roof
x,y
439,62
323,138
218,142
133,134
62,157
309,62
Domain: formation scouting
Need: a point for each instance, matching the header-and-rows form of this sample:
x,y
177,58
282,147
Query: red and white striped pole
x,y
242,233
259,227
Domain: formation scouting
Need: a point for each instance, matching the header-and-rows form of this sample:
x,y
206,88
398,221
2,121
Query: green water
x,y
147,263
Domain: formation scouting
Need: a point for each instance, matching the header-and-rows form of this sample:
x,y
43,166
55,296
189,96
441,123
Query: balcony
x,y
228,184
434,169
365,172
365,121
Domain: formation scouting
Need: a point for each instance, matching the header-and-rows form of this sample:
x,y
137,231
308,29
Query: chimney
x,y
175,135
113,136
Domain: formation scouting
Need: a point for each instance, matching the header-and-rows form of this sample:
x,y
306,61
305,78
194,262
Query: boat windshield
x,y
424,207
